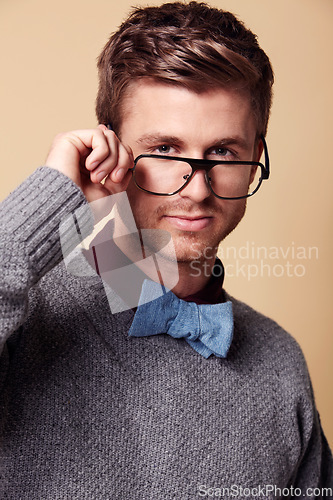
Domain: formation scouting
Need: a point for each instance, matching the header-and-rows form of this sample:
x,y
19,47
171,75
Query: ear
x,y
253,173
258,149
257,152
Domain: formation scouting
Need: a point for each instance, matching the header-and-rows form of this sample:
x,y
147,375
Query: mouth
x,y
189,223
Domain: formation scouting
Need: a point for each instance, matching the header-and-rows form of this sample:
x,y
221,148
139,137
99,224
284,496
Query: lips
x,y
189,223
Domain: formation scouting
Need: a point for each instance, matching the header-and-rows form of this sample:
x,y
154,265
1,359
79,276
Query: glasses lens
x,y
165,176
234,181
161,175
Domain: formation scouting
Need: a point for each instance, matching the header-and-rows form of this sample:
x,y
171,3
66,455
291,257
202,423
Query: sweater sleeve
x,y
315,470
314,474
30,244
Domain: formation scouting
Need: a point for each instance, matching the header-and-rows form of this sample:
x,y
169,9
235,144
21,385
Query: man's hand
x,y
89,156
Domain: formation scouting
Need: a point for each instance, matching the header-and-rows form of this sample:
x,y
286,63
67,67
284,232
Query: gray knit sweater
x,y
89,413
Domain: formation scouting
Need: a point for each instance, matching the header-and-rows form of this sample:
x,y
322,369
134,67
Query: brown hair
x,y
186,44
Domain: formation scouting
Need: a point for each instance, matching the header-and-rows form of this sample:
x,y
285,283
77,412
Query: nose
x,y
197,189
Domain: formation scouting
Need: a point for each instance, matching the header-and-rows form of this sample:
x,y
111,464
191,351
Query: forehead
x,y
151,106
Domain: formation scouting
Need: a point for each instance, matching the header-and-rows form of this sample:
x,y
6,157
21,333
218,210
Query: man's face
x,y
217,124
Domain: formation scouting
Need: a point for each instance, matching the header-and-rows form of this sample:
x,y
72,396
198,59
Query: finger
x,y
125,162
70,149
85,140
106,166
100,150
119,178
118,187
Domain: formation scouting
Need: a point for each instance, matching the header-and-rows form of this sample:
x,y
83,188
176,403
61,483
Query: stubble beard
x,y
189,245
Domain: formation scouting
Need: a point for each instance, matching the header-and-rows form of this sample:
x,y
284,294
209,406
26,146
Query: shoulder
x,y
261,341
259,327
272,360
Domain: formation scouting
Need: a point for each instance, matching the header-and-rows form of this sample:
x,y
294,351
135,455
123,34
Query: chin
x,y
197,246
192,247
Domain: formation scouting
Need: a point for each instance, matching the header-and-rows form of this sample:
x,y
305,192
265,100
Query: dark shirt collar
x,y
213,292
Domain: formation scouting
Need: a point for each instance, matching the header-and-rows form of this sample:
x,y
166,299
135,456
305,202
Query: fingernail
x,y
100,176
120,174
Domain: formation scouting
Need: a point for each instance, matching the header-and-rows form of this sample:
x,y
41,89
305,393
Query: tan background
x,y
48,84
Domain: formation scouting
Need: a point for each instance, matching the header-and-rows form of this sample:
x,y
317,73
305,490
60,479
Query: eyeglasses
x,y
229,180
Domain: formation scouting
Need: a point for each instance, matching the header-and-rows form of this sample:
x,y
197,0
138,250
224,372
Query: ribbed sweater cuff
x,y
32,213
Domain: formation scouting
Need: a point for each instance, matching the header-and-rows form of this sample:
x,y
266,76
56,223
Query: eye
x,y
163,149
221,151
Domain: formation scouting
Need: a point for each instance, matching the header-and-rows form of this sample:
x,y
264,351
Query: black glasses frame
x,y
207,165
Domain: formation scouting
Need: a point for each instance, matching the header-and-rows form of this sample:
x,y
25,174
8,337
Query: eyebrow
x,y
154,138
229,141
148,139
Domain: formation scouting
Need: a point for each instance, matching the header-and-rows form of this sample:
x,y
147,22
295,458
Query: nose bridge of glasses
x,y
197,164
198,180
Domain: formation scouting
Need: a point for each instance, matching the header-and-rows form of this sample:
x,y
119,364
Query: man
x,y
89,411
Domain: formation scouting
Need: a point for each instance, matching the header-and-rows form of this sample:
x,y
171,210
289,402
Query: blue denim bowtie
x,y
207,328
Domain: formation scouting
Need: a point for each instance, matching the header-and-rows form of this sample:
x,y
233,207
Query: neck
x,y
193,275
193,278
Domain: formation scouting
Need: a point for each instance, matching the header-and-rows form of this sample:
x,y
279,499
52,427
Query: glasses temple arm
x,y
267,165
